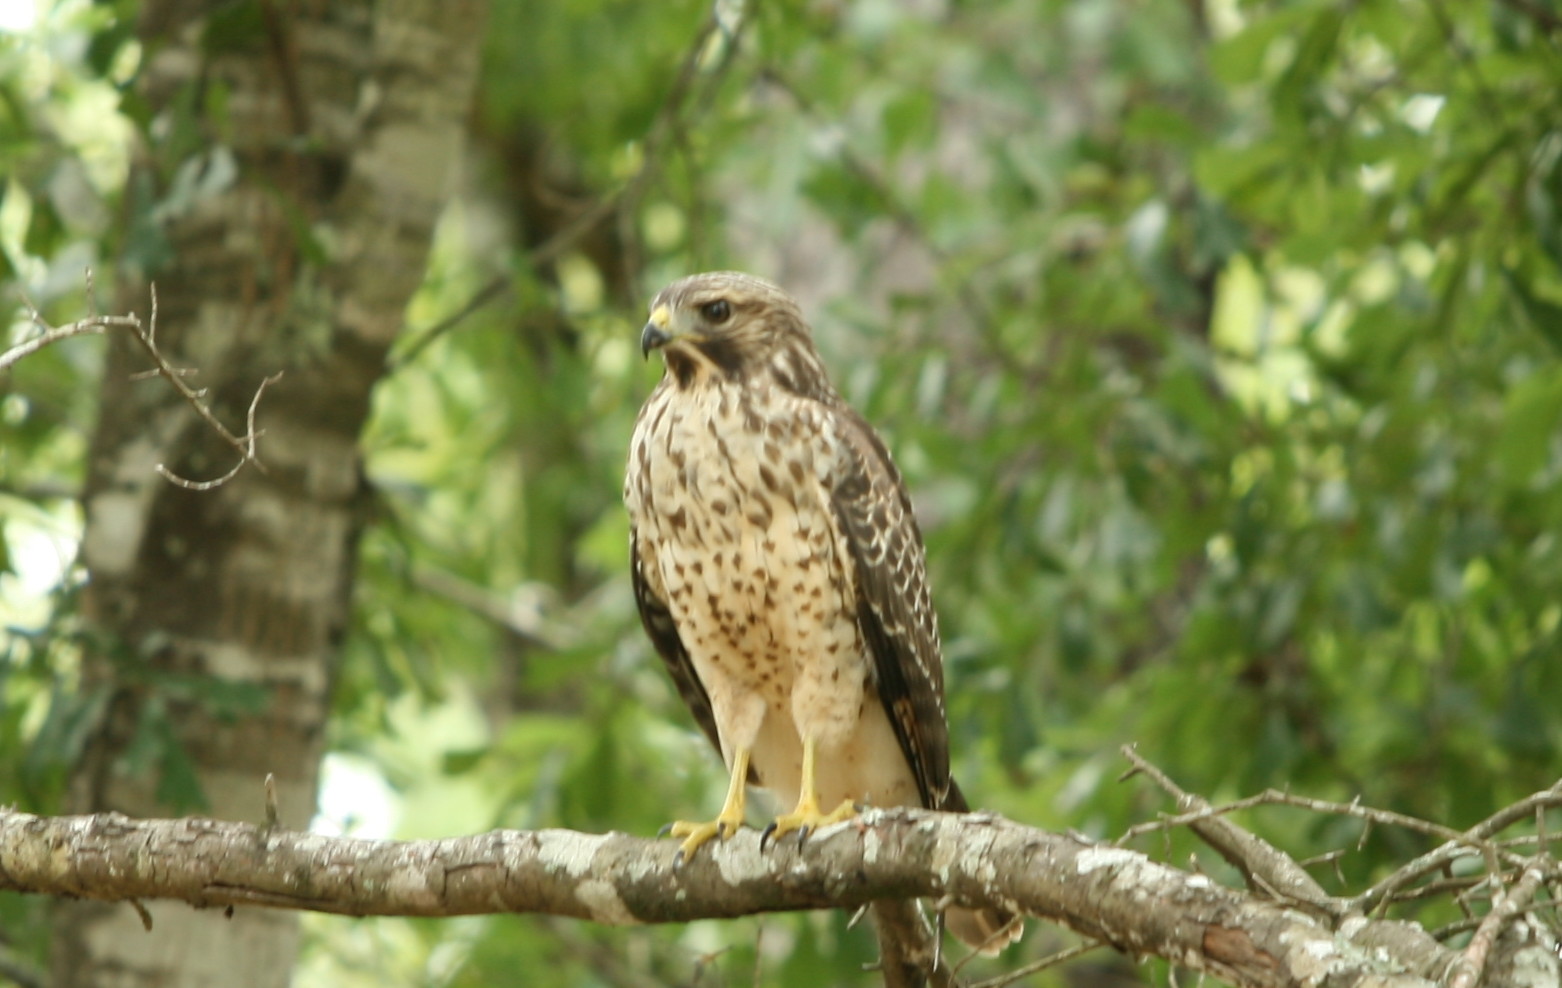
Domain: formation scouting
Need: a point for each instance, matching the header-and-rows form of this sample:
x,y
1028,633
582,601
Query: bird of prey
x,y
780,573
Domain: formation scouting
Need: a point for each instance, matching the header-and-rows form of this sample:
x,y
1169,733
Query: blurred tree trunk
x,y
301,155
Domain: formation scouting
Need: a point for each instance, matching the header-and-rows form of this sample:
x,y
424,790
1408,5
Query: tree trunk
x,y
301,159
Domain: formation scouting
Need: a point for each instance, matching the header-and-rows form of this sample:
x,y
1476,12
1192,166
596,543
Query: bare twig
x,y
1461,887
54,334
1051,960
1473,961
1537,911
146,336
488,293
246,446
523,612
273,812
669,125
1459,846
1264,865
909,952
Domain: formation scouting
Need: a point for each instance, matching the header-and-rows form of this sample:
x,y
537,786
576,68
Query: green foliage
x,y
1219,344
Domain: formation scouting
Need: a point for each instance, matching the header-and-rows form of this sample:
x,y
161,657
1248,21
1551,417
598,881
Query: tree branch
x,y
667,127
1111,894
146,336
1507,906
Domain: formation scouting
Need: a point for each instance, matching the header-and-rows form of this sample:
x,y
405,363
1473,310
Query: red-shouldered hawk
x,y
780,573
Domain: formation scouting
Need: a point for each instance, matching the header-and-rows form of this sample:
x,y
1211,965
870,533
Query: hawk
x,y
780,573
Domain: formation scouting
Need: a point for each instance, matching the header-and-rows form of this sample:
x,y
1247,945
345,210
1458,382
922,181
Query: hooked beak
x,y
655,333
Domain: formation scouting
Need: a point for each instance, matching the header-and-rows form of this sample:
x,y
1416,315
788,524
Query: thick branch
x,y
1111,894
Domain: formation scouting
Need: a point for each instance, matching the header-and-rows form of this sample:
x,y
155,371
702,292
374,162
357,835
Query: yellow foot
x,y
695,834
727,821
806,819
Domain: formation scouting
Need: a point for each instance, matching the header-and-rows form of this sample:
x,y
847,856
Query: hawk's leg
x,y
727,821
807,817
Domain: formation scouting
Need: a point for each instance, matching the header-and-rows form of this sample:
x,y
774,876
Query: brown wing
x,y
659,625
894,609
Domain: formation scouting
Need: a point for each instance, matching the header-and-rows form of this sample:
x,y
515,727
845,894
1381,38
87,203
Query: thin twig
x,y
1460,887
1508,905
245,446
53,335
1457,843
488,293
909,953
1051,960
146,336
1536,911
1460,846
1264,866
668,125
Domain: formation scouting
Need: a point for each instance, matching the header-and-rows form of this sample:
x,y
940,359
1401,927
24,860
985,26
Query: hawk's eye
x,y
716,312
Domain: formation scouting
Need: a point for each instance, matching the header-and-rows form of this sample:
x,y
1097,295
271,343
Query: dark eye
x,y
717,311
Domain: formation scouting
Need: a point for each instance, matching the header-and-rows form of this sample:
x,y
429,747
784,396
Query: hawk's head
x,y
733,326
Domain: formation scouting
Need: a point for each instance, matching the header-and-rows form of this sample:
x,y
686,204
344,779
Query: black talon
x,y
678,859
802,836
764,837
667,828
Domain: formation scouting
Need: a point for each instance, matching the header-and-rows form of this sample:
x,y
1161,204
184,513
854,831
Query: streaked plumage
x,y
779,570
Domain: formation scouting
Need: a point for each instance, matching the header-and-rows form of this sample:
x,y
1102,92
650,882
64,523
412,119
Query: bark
x,y
1108,893
303,159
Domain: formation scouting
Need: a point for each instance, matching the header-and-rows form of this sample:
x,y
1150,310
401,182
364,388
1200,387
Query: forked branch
x,y
145,334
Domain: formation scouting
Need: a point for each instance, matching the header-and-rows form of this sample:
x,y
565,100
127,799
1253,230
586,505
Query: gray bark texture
x,y
1108,893
299,161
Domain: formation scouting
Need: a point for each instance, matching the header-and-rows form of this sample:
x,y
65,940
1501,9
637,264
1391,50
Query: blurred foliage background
x,y
1218,342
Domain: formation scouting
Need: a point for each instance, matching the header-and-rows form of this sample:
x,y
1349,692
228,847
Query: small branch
x,y
54,334
273,811
246,446
523,612
495,288
1051,960
146,336
909,956
1473,961
1460,845
1264,865
668,125
1201,816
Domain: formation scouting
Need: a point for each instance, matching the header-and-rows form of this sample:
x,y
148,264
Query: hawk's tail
x,y
985,930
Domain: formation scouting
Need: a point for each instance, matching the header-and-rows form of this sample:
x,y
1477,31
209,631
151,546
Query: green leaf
x,y
1531,426
1543,314
909,120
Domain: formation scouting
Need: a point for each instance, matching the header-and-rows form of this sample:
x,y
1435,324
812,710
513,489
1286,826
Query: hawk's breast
x,y
728,491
